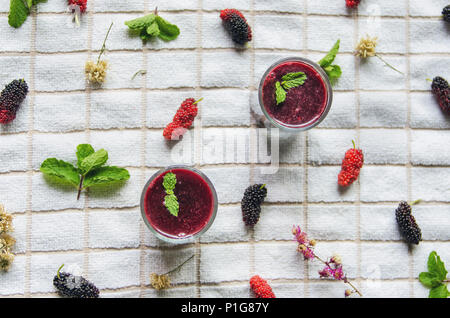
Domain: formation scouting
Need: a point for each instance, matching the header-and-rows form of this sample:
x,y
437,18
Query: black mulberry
x,y
10,99
72,286
442,92
251,203
407,223
236,24
446,13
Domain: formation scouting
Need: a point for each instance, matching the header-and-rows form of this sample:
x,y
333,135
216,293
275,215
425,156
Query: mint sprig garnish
x,y
436,277
288,81
152,25
170,200
333,71
19,11
90,170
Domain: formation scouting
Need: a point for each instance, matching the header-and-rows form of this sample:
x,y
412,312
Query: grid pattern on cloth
x,y
393,118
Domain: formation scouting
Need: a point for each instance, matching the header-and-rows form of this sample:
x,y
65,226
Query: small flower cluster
x,y
333,267
162,281
96,71
6,240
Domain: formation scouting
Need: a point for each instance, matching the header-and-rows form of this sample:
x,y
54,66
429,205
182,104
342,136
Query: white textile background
x,y
394,118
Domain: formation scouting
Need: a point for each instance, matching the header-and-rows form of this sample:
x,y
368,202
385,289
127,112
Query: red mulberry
x,y
352,3
183,120
442,92
351,165
11,98
261,288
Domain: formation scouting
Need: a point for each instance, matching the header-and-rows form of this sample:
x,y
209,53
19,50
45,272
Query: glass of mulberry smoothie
x,y
178,204
295,94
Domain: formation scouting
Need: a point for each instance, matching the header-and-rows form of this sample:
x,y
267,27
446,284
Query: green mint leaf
x,y
280,93
18,13
329,58
439,292
105,175
29,3
333,72
429,279
171,203
61,170
292,80
169,181
168,31
436,266
141,23
291,76
93,161
153,30
83,151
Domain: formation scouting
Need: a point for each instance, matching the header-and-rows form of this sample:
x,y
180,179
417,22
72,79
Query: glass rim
x,y
328,88
185,239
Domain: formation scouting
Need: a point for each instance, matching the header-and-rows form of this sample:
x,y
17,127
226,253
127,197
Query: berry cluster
x,y
352,3
351,165
10,99
442,92
182,120
72,286
251,203
446,13
82,4
261,287
236,24
407,223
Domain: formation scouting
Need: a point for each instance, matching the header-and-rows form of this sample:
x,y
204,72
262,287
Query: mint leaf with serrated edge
x,y
292,80
435,277
90,169
93,161
439,292
151,26
18,13
61,170
280,93
168,31
436,266
83,151
169,181
171,203
170,200
333,71
106,175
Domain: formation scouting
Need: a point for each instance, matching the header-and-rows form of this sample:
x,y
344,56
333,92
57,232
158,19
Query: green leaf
x,y
18,13
436,266
439,292
105,175
169,182
29,3
280,93
295,79
333,72
153,29
429,279
168,31
83,151
171,203
329,58
141,23
61,170
291,76
93,161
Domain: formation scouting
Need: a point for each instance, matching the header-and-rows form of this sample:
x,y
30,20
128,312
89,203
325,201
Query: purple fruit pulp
x,y
195,199
304,104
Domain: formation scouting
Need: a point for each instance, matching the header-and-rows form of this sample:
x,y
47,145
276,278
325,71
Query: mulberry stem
x,y
389,64
59,269
198,101
143,72
80,187
102,50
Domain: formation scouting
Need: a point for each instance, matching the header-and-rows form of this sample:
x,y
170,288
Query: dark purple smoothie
x,y
304,105
195,199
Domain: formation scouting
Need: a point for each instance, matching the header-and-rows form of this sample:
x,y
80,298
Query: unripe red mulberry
x,y
261,287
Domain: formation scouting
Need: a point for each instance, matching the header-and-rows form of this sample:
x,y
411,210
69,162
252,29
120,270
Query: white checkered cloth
x,y
394,118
